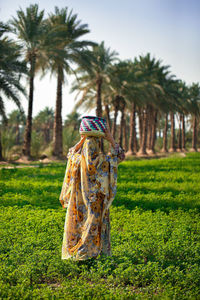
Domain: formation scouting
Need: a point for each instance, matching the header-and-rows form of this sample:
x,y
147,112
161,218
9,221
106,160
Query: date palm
x,y
93,75
152,72
43,122
126,86
29,28
135,95
11,70
64,32
173,98
73,119
16,120
118,79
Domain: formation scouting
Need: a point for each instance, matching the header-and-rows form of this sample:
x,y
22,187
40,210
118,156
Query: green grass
x,y
155,239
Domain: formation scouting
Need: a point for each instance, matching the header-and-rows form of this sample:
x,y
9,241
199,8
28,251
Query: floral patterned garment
x,y
89,187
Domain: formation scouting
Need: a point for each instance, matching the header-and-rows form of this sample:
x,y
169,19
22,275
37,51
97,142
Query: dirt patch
x,y
24,162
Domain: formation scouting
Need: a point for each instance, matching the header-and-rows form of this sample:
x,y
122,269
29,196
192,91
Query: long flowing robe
x,y
89,187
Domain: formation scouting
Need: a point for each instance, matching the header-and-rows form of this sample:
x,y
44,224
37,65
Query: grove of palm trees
x,y
148,109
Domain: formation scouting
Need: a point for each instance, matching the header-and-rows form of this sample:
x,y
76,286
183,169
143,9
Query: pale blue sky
x,y
168,29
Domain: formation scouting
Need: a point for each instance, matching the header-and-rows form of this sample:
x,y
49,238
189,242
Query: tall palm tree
x,y
135,94
12,68
94,75
171,104
175,105
150,67
159,105
118,79
29,28
64,31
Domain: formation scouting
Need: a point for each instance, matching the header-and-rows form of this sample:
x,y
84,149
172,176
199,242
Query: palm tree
x,y
94,74
135,94
12,68
43,122
16,118
64,31
29,28
175,105
118,79
159,106
152,71
73,119
171,104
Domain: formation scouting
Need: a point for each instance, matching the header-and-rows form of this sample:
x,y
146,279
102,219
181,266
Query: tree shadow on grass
x,y
163,198
165,205
47,196
155,169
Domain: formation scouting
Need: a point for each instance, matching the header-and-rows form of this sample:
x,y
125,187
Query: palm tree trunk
x,y
17,134
122,124
153,134
98,103
116,108
140,115
1,155
57,129
150,125
183,133
179,148
172,148
194,134
132,139
125,134
26,150
47,134
107,109
142,150
135,143
164,149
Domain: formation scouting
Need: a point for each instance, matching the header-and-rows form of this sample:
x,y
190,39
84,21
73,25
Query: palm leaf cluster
x,y
11,69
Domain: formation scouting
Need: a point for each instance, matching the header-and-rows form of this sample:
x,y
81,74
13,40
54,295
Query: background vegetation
x,y
147,108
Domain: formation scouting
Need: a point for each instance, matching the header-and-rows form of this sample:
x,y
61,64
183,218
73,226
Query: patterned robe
x,y
89,187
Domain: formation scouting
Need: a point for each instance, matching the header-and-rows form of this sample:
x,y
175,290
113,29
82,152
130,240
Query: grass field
x,y
155,235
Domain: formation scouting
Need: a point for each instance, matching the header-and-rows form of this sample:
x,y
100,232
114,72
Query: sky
x,y
168,29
